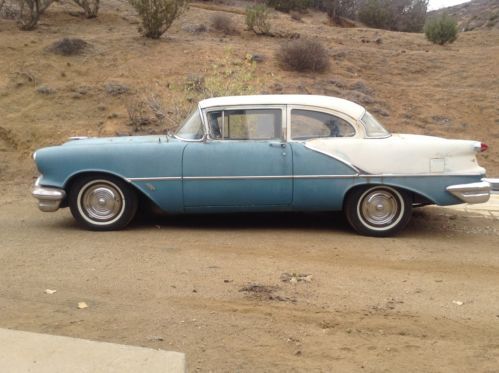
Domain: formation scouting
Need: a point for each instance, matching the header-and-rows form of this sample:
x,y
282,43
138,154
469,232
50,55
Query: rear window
x,y
373,127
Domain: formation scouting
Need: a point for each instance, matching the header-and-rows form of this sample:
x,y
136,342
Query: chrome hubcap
x,y
102,202
379,208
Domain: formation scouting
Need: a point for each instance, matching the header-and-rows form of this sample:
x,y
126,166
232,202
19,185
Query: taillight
x,y
483,147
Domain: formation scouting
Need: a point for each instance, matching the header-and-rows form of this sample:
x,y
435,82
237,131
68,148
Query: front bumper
x,y
49,199
475,192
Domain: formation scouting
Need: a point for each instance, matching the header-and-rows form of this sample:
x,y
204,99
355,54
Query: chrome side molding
x,y
471,193
494,184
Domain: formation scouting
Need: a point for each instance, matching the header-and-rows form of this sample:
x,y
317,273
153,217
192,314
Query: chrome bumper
x,y
49,199
475,192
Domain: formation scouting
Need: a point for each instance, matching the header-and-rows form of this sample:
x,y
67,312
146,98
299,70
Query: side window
x,y
247,124
309,124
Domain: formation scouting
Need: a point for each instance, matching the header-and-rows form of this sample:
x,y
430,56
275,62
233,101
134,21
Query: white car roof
x,y
338,104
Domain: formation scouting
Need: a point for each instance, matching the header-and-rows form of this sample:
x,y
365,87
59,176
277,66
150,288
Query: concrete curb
x,y
488,209
22,352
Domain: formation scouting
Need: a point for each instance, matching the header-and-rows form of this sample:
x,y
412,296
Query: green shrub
x,y
441,30
289,5
303,55
257,19
157,15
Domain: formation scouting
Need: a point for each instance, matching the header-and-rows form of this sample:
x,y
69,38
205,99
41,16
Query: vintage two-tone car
x,y
264,153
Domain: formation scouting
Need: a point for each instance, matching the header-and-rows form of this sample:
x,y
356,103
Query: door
x,y
245,162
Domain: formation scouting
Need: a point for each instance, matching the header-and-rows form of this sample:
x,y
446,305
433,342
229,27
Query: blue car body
x,y
209,171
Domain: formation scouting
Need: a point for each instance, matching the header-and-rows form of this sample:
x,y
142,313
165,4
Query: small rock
x,y
194,28
277,87
458,302
82,305
49,291
378,41
116,89
155,338
293,280
257,58
298,353
45,90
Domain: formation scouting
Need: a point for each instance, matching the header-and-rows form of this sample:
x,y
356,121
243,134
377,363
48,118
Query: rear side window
x,y
246,124
309,124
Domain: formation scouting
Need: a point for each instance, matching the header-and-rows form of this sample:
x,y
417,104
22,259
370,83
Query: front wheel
x,y
378,211
102,203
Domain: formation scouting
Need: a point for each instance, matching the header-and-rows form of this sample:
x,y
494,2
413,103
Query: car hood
x,y
117,140
402,154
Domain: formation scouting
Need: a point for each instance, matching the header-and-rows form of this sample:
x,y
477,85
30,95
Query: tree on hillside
x,y
338,9
30,11
398,15
90,7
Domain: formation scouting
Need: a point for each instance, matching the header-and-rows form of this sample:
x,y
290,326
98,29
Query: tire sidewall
x,y
353,207
126,214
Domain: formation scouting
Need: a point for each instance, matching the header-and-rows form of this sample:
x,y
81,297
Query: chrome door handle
x,y
278,144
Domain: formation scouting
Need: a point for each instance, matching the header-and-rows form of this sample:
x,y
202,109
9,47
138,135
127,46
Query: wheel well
x,y
416,198
143,198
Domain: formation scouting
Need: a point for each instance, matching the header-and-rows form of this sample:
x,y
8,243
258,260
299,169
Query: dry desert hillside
x,y
412,85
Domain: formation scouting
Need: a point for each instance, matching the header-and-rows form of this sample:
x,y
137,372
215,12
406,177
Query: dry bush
x,y
222,23
149,114
303,55
257,19
68,46
157,15
30,11
90,7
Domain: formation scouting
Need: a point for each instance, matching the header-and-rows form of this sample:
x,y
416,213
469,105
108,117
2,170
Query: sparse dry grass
x,y
410,80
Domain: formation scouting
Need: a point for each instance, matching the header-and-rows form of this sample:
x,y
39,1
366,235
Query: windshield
x,y
373,127
192,129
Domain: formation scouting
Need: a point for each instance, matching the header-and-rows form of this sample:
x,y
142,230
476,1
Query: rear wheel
x,y
102,202
378,211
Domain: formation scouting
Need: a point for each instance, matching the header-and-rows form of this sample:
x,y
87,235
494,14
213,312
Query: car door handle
x,y
277,144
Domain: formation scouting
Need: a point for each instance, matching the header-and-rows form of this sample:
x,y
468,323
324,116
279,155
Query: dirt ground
x,y
279,292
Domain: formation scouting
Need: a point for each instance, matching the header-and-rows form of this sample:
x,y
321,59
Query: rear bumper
x,y
49,199
478,192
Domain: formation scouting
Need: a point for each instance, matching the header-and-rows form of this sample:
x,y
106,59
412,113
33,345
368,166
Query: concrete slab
x,y
488,209
22,352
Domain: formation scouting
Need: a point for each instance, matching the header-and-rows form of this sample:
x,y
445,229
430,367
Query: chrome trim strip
x,y
167,178
494,183
275,177
420,175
